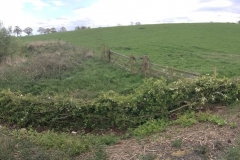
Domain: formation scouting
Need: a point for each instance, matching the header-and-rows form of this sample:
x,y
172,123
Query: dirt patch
x,y
200,141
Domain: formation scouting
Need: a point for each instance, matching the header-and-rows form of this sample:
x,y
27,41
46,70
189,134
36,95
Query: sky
x,y
104,13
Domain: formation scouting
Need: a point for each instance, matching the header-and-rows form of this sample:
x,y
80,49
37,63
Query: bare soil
x,y
200,141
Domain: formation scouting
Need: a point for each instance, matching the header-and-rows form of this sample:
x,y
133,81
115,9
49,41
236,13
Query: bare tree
x,y
132,23
17,30
83,27
62,29
47,31
137,23
10,30
77,28
28,30
53,30
41,30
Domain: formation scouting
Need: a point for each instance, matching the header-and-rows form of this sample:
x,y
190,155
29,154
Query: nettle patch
x,y
154,99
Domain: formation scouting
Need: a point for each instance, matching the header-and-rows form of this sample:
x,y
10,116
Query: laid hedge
x,y
153,99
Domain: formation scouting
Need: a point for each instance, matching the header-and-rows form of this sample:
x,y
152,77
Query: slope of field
x,y
60,68
53,71
193,47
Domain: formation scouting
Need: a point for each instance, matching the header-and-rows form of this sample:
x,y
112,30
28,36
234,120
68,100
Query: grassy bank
x,y
49,68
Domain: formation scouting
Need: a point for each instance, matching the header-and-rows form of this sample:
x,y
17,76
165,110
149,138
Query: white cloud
x,y
109,12
207,16
58,3
113,12
59,22
38,4
12,12
217,3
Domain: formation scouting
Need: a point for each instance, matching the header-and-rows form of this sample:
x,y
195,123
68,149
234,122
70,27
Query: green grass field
x,y
192,47
62,70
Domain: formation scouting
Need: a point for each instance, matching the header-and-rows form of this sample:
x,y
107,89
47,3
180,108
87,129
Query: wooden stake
x,y
214,72
131,63
145,65
109,55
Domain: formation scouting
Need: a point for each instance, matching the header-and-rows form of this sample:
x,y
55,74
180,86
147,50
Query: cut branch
x,y
180,108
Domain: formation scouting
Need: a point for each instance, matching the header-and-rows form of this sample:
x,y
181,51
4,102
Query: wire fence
x,y
142,64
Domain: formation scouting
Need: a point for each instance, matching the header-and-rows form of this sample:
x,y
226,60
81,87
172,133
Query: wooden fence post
x,y
214,72
109,55
145,65
131,63
171,73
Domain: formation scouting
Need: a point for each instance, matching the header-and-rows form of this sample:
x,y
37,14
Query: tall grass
x,y
21,148
60,68
29,145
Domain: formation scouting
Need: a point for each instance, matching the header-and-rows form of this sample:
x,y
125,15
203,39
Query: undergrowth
x,y
51,68
50,145
190,118
69,143
150,127
185,120
232,153
21,148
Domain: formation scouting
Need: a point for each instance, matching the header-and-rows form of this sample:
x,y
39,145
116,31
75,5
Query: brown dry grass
x,y
45,59
13,61
35,45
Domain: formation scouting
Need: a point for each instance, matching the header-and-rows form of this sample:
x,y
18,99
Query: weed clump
x,y
177,143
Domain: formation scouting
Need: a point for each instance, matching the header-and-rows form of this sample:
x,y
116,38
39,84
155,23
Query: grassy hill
x,y
192,47
50,99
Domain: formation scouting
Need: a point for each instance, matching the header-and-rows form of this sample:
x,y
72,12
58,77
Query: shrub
x,y
150,127
207,116
186,119
5,40
177,143
9,45
155,99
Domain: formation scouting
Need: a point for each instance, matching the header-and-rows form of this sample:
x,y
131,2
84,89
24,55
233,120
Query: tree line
x,y
28,30
81,27
42,30
18,31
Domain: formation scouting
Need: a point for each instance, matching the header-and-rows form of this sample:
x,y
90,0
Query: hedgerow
x,y
155,99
